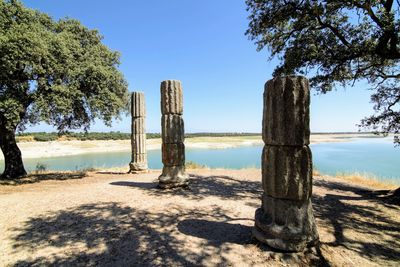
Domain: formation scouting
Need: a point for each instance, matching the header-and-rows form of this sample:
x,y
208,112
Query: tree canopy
x,y
58,72
336,43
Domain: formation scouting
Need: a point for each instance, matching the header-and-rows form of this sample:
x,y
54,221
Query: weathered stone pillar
x,y
173,136
138,134
285,220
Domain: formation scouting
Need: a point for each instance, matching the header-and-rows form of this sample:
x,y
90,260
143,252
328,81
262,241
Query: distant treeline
x,y
53,136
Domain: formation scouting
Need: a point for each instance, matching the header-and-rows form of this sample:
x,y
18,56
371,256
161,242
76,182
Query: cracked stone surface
x,y
173,135
138,134
285,219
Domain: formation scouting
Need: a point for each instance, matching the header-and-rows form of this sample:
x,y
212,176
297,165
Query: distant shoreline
x,y
75,147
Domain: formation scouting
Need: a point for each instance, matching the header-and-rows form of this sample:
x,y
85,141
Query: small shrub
x,y
44,137
194,165
316,172
40,167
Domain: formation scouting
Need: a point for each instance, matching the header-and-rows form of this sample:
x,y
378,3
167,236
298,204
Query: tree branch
x,y
334,30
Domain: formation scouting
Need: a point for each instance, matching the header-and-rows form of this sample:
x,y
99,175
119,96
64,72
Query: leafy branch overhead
x,y
58,72
336,42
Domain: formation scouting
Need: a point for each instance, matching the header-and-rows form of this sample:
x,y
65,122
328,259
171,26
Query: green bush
x,y
40,167
45,138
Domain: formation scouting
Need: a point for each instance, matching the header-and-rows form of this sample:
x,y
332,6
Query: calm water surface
x,y
370,156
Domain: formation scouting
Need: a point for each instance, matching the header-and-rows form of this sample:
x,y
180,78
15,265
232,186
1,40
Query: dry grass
x,y
193,165
28,138
361,180
368,181
66,138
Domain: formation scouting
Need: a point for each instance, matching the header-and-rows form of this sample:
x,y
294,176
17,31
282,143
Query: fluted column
x,y
173,135
285,220
138,134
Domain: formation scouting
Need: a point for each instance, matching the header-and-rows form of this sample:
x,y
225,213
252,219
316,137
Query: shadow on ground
x,y
112,234
112,172
38,177
365,222
389,198
224,187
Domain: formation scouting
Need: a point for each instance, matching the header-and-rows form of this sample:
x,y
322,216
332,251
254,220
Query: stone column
x,y
285,220
138,134
173,136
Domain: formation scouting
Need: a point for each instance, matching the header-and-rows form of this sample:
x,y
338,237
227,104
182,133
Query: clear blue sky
x,y
201,43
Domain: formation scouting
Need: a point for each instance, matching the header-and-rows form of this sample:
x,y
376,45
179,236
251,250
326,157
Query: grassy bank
x,y
362,180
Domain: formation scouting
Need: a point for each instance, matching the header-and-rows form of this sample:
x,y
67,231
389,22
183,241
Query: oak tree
x,y
58,72
336,43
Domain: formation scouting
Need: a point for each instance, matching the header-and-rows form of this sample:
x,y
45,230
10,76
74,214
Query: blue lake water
x,y
370,156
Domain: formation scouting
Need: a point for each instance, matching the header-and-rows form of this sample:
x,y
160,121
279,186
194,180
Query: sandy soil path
x,y
112,219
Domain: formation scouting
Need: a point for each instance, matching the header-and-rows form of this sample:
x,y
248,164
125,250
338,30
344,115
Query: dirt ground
x,y
111,219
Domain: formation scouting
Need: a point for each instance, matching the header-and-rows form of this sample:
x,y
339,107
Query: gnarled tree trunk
x,y
14,167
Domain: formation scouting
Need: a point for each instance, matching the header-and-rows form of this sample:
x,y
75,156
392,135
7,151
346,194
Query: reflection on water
x,y
371,156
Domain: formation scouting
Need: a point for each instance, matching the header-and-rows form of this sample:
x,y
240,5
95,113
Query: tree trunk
x,y
14,167
397,192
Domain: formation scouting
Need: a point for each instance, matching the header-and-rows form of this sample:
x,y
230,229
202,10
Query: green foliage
x,y
153,135
99,136
336,42
58,72
43,137
40,167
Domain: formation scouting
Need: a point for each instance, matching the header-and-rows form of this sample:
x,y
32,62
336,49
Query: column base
x,y
172,177
285,224
135,167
